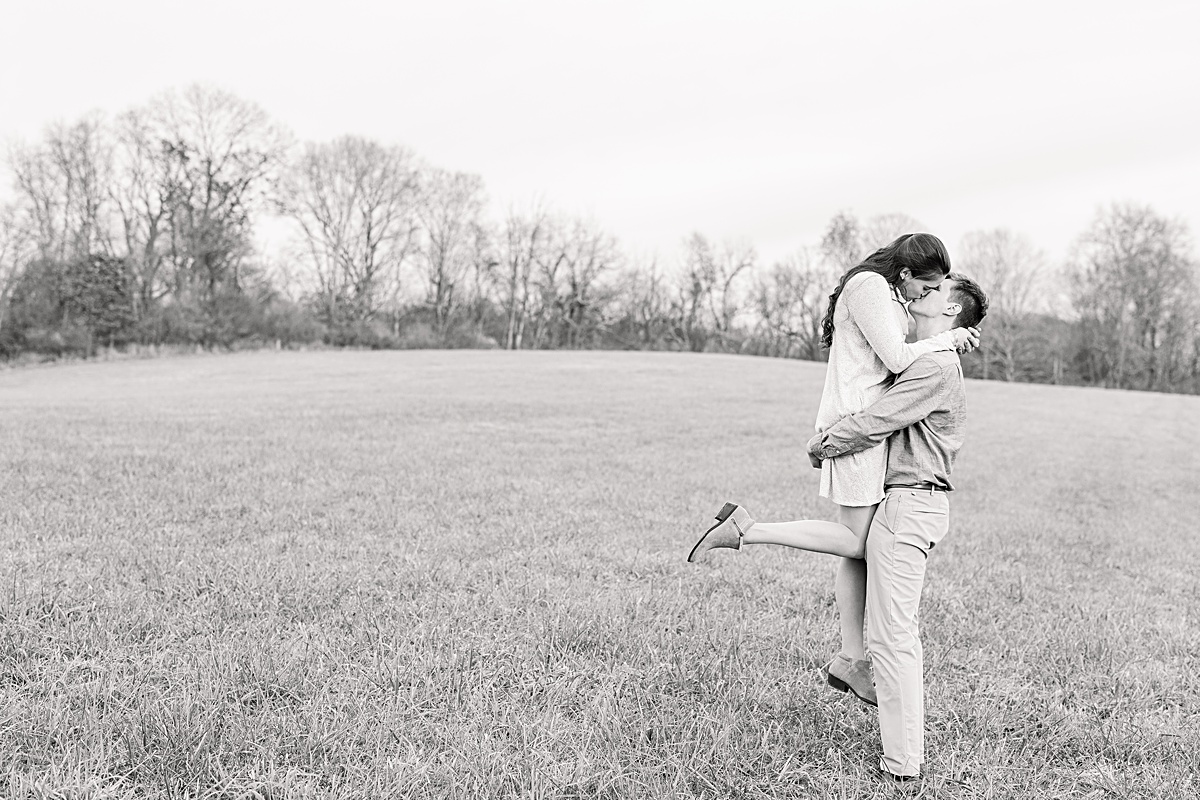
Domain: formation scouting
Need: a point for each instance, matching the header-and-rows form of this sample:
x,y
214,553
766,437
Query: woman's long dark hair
x,y
922,254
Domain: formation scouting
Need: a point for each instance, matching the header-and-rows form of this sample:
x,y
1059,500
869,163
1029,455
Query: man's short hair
x,y
974,302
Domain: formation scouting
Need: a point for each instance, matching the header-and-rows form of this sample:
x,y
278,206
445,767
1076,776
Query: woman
x,y
865,329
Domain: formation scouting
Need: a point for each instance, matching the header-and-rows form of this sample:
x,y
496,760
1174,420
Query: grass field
x,y
461,574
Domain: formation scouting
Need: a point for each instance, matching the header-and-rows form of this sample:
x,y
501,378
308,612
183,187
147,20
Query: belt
x,y
914,487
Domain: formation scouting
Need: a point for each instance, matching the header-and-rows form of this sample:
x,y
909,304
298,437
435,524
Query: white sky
x,y
741,120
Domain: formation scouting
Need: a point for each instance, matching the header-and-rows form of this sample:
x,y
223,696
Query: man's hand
x,y
966,339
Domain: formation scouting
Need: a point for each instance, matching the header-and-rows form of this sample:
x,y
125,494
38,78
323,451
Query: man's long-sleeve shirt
x,y
924,413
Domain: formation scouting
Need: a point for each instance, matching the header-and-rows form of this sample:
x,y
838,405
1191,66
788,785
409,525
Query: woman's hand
x,y
965,339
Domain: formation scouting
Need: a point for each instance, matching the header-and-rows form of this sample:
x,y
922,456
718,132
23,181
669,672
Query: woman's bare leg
x,y
850,586
850,590
847,539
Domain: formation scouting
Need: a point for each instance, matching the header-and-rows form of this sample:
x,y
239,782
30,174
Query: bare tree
x,y
644,305
524,245
547,265
1134,281
218,158
76,280
883,229
790,301
140,192
1012,272
450,208
64,181
694,294
355,203
708,291
732,262
590,255
841,244
846,241
568,279
482,276
16,249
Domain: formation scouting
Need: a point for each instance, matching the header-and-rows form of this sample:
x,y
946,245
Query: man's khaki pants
x,y
908,523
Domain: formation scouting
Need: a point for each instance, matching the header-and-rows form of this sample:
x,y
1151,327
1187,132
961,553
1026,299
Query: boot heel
x,y
725,511
837,683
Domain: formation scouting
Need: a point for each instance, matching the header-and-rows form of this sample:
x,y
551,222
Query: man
x,y
923,417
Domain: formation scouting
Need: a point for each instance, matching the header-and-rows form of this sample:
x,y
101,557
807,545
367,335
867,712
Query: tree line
x,y
139,231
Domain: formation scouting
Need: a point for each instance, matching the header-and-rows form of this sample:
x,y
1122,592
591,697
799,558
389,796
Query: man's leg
x,y
907,525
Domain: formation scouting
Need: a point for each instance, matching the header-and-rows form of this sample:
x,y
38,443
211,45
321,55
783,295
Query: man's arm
x,y
912,398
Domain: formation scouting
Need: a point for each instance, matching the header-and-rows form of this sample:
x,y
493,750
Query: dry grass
x,y
460,574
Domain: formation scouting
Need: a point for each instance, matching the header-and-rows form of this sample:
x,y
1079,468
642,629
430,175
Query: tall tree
x,y
790,300
63,182
644,306
141,192
589,255
1134,281
525,246
219,156
355,203
1013,274
482,277
16,249
847,241
450,208
709,296
568,278
841,244
883,229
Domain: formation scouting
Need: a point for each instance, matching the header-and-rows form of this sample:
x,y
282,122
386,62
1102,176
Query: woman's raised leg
x,y
847,538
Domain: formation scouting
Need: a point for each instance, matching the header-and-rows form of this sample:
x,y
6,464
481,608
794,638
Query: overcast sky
x,y
742,120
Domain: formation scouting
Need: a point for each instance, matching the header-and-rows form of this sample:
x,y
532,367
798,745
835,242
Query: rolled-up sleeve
x,y
913,397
